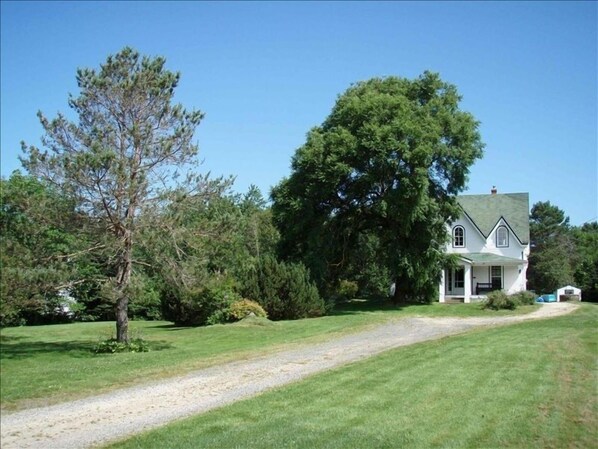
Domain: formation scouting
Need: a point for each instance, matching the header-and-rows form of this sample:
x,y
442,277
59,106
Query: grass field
x,y
530,385
48,364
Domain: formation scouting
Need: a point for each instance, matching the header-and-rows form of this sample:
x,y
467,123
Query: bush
x,y
220,316
284,290
524,298
236,312
240,309
499,300
197,306
346,290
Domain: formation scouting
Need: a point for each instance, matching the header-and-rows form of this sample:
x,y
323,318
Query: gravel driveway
x,y
100,419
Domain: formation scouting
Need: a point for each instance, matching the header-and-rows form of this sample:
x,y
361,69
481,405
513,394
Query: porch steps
x,y
454,300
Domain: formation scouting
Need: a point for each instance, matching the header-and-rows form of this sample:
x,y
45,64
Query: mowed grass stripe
x,y
530,385
47,364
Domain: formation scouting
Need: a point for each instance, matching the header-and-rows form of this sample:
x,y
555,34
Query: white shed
x,y
568,293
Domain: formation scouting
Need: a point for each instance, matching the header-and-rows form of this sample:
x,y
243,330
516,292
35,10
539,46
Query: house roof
x,y
491,259
485,211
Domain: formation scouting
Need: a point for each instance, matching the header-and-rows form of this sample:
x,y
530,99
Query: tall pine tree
x,y
122,154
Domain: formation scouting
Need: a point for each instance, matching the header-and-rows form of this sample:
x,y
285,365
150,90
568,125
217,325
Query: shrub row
x,y
500,300
195,306
278,290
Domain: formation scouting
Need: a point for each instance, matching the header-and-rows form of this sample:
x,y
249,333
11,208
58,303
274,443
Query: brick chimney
x,y
493,190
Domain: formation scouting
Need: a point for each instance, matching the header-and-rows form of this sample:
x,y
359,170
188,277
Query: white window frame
x,y
462,236
499,242
500,275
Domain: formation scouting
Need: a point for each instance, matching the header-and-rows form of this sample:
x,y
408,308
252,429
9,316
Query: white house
x,y
492,239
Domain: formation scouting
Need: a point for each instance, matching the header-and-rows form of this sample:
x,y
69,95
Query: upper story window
x,y
458,237
502,237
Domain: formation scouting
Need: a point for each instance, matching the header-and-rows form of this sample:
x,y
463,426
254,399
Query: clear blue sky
x,y
265,73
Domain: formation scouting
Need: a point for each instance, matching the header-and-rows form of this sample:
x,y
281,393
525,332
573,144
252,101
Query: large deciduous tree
x,y
388,161
124,150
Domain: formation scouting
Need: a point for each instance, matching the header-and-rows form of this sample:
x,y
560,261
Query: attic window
x,y
458,237
502,237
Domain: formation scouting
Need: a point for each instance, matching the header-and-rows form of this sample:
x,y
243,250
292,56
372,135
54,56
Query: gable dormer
x,y
504,216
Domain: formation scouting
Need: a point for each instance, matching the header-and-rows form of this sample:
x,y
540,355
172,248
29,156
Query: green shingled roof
x,y
486,210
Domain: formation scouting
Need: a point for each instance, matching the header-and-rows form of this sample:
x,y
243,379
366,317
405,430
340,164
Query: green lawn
x,y
47,364
530,385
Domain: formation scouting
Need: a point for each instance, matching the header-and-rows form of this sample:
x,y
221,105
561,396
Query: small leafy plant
x,y
112,346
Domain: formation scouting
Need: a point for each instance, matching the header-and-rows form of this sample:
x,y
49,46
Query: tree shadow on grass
x,y
171,327
75,349
376,304
9,338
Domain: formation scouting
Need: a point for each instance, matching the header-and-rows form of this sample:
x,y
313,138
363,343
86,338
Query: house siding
x,y
474,242
514,279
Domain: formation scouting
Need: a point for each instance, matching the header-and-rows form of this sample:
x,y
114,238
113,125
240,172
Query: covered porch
x,y
479,274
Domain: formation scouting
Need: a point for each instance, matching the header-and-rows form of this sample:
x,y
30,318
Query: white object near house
x,y
568,290
491,238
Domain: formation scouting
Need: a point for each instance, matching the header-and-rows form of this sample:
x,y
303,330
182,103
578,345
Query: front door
x,y
459,281
455,281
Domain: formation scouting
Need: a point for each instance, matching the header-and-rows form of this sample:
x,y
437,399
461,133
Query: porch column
x,y
467,283
441,287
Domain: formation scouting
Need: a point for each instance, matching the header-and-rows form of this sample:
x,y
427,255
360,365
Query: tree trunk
x,y
122,319
123,278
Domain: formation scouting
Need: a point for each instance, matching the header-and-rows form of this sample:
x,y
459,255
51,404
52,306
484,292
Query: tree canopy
x,y
388,160
552,249
38,244
586,260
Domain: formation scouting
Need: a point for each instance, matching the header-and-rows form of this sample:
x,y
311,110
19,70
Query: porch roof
x,y
483,259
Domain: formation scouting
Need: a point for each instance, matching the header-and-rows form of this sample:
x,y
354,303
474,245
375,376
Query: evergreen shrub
x,y
284,290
